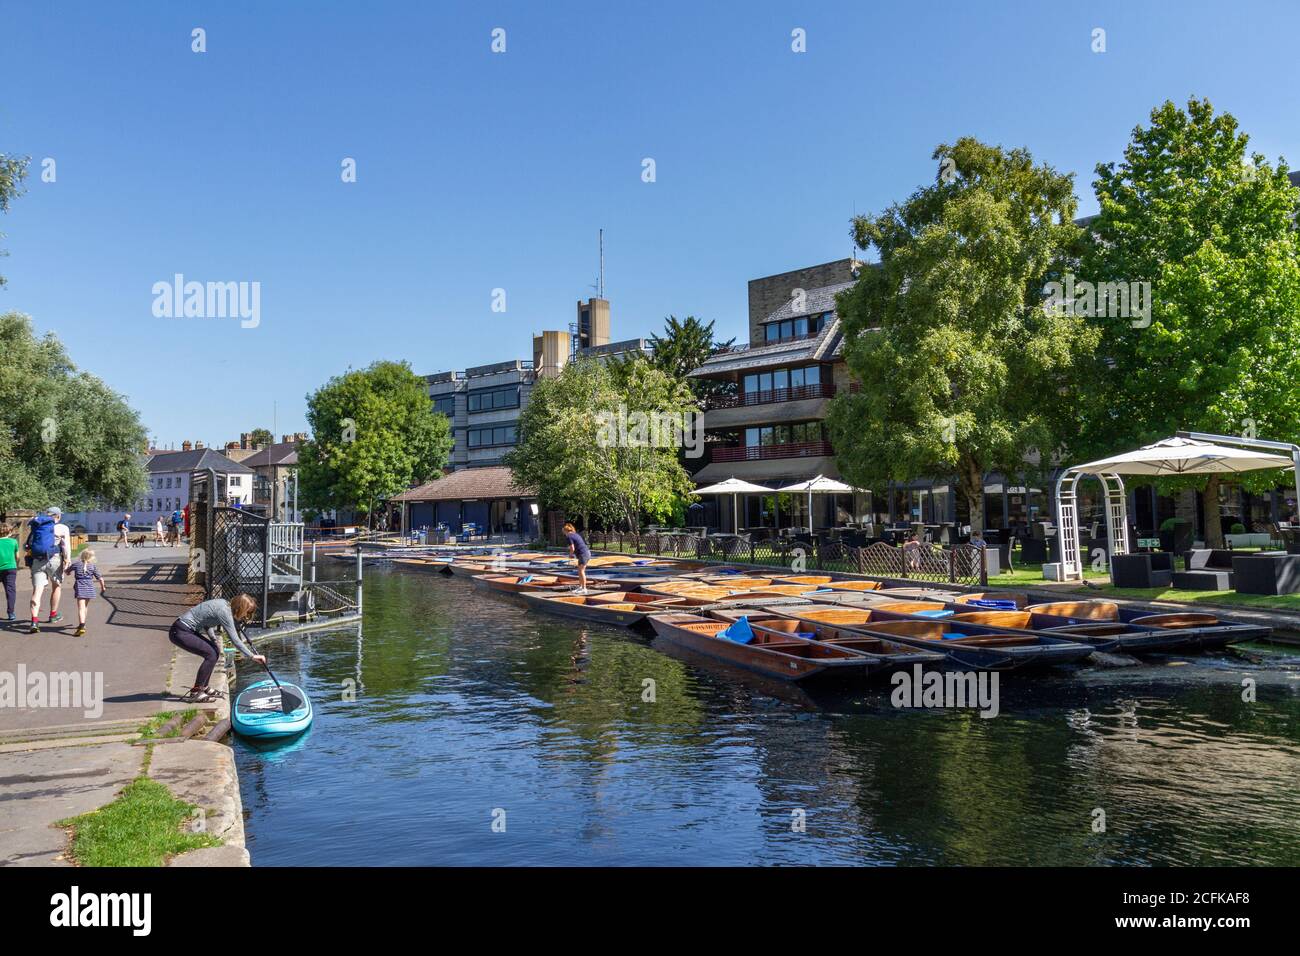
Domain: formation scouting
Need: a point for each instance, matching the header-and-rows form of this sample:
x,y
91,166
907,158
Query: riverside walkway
x,y
61,761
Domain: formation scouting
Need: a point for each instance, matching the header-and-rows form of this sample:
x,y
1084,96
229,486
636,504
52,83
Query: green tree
x,y
13,170
1211,228
374,434
66,438
960,364
684,347
261,436
594,442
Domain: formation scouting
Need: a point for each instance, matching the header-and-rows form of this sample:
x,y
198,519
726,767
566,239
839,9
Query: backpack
x,y
121,526
42,542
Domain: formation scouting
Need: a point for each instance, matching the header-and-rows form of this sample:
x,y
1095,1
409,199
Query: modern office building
x,y
769,425
484,404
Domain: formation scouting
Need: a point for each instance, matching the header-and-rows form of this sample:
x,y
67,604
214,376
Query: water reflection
x,y
469,704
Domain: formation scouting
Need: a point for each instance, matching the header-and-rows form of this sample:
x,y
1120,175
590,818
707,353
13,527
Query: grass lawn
x,y
142,827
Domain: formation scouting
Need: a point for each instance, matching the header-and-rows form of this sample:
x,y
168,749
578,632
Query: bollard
x,y
358,579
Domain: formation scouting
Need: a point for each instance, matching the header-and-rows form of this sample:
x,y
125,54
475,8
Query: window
x,y
803,326
234,481
487,437
445,404
782,378
490,399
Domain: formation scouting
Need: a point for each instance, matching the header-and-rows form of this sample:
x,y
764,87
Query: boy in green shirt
x,y
9,566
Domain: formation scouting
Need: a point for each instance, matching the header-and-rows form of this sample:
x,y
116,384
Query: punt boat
x,y
976,646
890,655
784,656
1105,625
615,607
521,583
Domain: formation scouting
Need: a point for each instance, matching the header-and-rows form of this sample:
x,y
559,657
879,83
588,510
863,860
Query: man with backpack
x,y
49,551
178,520
123,532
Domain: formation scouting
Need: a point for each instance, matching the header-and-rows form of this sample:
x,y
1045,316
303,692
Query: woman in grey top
x,y
194,631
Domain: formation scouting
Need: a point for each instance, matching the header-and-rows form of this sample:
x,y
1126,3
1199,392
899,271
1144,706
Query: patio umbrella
x,y
734,487
820,485
1173,456
1185,456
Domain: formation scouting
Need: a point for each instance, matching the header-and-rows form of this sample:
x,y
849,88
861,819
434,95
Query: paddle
x,y
289,701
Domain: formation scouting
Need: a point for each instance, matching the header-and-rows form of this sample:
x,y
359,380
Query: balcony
x,y
823,390
810,449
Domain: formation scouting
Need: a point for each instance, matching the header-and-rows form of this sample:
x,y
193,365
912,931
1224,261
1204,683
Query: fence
x,y
250,554
962,564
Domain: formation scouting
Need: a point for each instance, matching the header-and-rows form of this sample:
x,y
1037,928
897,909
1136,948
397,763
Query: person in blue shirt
x,y
578,549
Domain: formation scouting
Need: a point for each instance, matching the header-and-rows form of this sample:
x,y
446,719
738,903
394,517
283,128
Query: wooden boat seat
x,y
854,586
1177,620
814,579
1104,629
835,615
909,607
1092,610
995,618
934,631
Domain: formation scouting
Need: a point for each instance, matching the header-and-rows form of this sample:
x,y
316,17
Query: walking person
x,y
195,632
578,549
9,567
85,577
123,531
177,521
49,549
159,537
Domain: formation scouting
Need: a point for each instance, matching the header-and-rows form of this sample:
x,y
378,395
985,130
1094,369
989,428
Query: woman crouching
x,y
195,632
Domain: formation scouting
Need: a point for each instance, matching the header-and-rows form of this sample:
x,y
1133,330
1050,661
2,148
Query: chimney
x,y
198,446
187,445
245,440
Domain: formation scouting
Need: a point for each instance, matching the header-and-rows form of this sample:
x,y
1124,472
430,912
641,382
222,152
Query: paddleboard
x,y
257,711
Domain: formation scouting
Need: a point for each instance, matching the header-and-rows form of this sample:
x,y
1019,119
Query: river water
x,y
482,734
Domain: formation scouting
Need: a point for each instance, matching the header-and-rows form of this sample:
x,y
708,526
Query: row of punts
x,y
802,626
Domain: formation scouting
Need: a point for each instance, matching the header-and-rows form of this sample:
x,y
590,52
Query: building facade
x,y
169,475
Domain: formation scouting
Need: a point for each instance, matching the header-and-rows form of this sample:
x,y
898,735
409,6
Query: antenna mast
x,y
601,286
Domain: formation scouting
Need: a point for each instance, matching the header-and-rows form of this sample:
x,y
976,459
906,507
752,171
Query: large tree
x,y
594,442
683,347
1211,228
374,434
961,368
13,170
66,438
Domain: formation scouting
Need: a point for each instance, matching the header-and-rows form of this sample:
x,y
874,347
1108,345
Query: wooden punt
x,y
975,646
736,582
1019,600
521,583
1183,630
785,657
1107,636
620,608
890,655
820,580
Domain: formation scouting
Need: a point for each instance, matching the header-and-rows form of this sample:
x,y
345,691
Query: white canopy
x,y
1188,453
1184,456
821,485
734,487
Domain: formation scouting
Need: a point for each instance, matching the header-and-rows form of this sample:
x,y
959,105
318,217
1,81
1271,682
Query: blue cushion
x,y
942,612
740,632
525,579
999,604
951,635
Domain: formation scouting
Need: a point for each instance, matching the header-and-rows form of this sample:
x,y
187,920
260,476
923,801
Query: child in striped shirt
x,y
84,587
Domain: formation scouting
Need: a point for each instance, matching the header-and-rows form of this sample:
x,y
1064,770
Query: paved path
x,y
57,762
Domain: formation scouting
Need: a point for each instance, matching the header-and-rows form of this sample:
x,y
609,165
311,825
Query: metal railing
x,y
793,394
808,449
962,564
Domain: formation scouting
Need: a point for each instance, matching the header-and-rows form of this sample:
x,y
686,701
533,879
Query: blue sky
x,y
478,171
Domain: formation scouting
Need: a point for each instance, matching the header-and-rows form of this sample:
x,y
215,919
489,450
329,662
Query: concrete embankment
x,y
72,751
